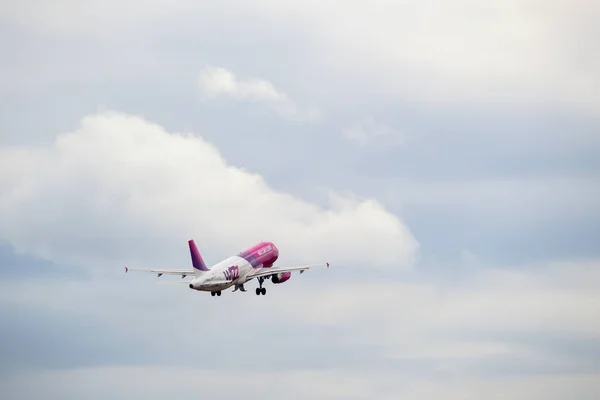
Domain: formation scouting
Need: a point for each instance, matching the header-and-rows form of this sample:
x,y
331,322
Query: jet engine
x,y
281,277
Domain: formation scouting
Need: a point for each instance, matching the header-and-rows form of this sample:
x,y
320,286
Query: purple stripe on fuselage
x,y
261,255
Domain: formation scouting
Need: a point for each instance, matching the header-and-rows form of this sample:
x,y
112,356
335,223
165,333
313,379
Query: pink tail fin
x,y
197,261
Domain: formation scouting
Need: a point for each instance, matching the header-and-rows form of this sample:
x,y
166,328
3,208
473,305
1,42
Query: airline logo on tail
x,y
232,273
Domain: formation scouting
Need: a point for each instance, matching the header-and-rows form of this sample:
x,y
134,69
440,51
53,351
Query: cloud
x,y
19,266
484,299
436,52
183,383
214,82
533,200
121,189
489,331
422,51
220,82
323,384
369,132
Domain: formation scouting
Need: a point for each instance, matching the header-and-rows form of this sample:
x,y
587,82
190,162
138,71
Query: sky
x,y
444,158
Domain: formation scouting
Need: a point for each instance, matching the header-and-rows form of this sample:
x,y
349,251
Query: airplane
x,y
254,262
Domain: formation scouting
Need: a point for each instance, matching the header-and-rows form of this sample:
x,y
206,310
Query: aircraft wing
x,y
277,270
159,272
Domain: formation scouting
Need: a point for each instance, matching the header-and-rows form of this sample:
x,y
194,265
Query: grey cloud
x,y
363,327
301,384
25,266
369,132
36,339
508,174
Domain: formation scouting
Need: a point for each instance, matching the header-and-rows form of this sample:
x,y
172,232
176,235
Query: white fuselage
x,y
231,271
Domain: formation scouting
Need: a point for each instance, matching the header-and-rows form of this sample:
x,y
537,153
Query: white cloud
x,y
220,82
122,189
215,82
434,51
369,132
509,51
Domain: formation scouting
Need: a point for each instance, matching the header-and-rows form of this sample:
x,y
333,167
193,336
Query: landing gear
x,y
215,293
239,287
261,290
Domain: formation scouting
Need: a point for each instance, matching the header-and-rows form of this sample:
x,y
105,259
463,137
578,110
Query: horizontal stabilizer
x,y
159,272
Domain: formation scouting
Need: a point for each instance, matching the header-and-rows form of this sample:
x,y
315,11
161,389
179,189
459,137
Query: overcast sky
x,y
444,157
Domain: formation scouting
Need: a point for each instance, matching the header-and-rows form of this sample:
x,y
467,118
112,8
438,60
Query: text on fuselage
x,y
232,273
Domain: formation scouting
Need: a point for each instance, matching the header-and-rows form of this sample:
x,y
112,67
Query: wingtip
x,y
327,264
126,269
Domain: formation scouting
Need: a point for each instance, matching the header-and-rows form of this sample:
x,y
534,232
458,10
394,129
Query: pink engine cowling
x,y
281,277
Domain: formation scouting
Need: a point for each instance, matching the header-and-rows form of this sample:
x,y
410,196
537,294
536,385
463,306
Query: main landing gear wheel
x,y
217,293
261,290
